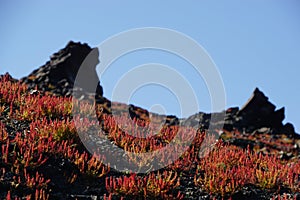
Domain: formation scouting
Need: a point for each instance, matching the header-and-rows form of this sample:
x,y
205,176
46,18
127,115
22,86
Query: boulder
x,y
289,130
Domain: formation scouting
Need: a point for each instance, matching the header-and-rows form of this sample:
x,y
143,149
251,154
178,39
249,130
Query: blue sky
x,y
253,43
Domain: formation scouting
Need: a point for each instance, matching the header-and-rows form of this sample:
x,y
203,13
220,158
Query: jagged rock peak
x,y
257,100
258,112
72,48
59,73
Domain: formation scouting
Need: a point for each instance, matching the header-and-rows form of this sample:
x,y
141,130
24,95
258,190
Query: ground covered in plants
x,y
42,157
43,151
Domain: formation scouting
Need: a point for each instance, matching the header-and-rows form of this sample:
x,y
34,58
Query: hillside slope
x,y
43,156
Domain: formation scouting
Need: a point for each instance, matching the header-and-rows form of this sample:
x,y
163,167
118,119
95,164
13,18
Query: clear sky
x,y
253,43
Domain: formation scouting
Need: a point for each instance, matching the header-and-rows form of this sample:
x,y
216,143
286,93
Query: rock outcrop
x,y
58,75
257,114
257,126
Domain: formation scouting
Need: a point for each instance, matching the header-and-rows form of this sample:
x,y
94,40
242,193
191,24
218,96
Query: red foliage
x,y
221,169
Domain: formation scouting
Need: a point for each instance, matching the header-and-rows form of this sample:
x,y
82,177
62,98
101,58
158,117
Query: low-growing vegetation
x,y
42,156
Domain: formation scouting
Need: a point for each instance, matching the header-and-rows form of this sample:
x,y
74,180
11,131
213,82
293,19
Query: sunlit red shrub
x,y
227,169
154,185
3,133
223,171
293,176
90,165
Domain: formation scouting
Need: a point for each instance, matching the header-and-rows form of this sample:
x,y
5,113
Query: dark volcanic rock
x,y
258,117
143,114
289,130
260,112
257,113
197,120
58,75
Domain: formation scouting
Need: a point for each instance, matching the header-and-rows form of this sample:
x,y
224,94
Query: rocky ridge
x,y
257,113
258,124
57,76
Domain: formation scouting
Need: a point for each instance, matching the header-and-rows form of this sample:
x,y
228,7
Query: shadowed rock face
x,y
259,112
58,75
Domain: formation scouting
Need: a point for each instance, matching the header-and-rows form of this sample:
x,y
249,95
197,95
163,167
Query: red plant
x,y
153,185
227,168
3,133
